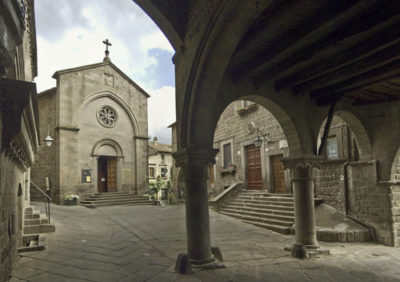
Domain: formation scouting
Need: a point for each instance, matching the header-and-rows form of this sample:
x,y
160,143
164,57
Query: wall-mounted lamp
x,y
260,137
48,140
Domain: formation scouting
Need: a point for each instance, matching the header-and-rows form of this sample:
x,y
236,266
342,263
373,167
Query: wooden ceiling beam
x,y
339,35
381,57
383,35
282,34
370,77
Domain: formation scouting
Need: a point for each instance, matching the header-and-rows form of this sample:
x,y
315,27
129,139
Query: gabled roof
x,y
85,67
48,91
156,147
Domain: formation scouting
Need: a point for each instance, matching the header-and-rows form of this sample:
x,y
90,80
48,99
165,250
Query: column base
x,y
185,265
306,251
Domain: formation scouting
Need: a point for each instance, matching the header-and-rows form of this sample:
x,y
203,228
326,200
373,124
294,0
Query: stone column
x,y
193,162
301,170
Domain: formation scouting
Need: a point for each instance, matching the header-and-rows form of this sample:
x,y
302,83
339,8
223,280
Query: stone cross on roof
x,y
107,43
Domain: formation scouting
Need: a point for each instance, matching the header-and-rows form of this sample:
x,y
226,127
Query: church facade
x,y
98,119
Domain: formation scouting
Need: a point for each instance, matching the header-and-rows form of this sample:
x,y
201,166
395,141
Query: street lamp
x,y
48,140
258,140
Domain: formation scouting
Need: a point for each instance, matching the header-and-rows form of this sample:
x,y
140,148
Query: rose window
x,y
107,116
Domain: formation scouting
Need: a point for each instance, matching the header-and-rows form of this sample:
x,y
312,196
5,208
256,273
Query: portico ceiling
x,y
325,50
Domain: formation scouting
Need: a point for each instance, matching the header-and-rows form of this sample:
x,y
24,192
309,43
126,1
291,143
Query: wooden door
x,y
102,174
253,158
111,174
278,175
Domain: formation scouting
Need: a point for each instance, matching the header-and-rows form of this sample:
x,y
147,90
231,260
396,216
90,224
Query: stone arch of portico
x,y
284,120
357,127
208,90
115,98
110,143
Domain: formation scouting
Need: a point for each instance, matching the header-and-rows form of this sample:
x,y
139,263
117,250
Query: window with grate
x,y
332,148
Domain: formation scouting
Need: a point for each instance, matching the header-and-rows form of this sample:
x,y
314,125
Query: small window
x,y
151,172
332,148
162,156
227,155
164,172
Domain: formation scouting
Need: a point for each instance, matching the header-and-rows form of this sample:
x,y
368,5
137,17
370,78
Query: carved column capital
x,y
302,167
194,155
193,161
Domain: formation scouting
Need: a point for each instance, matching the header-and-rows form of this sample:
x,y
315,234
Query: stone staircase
x,y
35,224
115,199
262,209
276,213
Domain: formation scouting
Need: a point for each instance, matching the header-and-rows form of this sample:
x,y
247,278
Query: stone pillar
x,y
193,162
301,170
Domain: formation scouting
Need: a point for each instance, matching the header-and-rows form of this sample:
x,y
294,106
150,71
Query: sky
x,y
70,34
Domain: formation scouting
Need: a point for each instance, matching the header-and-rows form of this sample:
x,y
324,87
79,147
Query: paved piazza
x,y
140,243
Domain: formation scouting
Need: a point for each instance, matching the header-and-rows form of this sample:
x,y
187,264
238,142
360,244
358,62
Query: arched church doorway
x,y
107,174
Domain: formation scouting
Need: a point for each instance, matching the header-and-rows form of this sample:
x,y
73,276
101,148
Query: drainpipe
x,y
345,174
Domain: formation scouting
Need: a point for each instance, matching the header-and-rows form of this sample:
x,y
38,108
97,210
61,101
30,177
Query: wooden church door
x,y
111,175
107,174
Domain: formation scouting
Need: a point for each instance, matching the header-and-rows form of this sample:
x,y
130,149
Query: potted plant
x,y
71,200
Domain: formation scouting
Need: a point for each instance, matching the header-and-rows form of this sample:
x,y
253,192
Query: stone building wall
x,y
329,184
156,162
395,216
369,201
237,125
45,164
10,177
18,124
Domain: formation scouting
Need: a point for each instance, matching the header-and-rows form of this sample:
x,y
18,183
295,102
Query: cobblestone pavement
x,y
140,243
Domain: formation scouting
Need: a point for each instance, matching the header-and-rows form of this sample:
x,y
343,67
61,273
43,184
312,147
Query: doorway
x,y
278,175
107,174
253,159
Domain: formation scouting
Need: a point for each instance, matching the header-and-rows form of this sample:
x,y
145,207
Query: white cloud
x,y
156,40
65,41
161,108
70,34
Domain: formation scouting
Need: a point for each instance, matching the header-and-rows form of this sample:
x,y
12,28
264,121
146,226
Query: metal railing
x,y
47,197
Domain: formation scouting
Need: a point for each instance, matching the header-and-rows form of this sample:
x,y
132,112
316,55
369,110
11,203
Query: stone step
x,y
31,243
32,216
272,227
42,228
95,204
110,194
262,208
122,200
29,210
259,213
277,205
258,219
36,221
115,197
287,201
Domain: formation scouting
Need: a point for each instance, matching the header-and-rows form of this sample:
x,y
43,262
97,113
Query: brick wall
x,y
45,163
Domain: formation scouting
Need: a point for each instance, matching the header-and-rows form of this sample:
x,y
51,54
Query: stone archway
x,y
108,154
